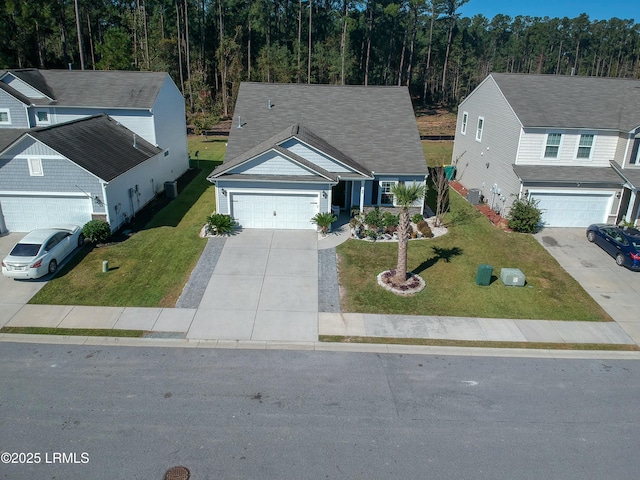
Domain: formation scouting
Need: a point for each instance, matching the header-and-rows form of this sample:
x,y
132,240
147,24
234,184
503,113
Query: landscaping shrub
x,y
374,219
424,229
416,218
96,231
219,224
390,220
324,220
524,215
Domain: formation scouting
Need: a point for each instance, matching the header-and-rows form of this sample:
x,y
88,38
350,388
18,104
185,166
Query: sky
x,y
596,9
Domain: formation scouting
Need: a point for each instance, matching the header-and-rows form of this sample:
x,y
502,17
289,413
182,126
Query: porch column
x,y
362,195
632,209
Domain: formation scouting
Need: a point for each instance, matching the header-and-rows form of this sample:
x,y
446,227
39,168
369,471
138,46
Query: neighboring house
x,y
296,150
78,145
569,142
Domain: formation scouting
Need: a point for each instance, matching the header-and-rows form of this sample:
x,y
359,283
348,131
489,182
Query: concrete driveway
x,y
264,287
14,294
615,288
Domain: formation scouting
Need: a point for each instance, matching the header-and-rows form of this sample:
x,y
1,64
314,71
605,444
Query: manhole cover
x,y
177,473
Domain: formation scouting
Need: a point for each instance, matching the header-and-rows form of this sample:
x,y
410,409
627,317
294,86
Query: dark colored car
x,y
622,243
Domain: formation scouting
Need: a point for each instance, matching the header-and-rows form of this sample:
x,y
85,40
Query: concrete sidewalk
x,y
177,322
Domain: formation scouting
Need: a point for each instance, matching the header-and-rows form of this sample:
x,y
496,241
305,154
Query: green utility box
x,y
483,277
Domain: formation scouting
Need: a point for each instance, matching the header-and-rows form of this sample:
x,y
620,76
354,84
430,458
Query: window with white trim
x,y
552,148
386,197
42,117
635,152
35,167
465,119
5,116
585,146
479,129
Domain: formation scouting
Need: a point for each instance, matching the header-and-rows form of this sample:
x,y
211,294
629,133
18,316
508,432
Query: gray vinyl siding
x,y
17,111
31,148
271,163
60,175
481,164
314,156
222,205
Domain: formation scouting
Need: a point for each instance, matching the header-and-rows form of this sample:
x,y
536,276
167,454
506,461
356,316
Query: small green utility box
x,y
483,277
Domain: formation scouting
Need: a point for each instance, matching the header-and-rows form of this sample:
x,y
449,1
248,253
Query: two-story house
x,y
77,145
569,142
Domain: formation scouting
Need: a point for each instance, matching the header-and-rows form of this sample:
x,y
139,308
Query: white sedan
x,y
41,251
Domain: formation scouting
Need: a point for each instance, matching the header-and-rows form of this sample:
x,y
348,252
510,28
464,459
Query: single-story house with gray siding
x,y
296,150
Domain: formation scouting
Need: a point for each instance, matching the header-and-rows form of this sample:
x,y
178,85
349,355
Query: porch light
x,y
324,194
224,192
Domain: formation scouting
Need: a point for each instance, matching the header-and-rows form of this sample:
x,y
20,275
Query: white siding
x,y
120,205
170,129
533,143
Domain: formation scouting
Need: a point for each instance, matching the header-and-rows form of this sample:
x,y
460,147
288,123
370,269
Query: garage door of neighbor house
x,y
274,210
573,209
24,213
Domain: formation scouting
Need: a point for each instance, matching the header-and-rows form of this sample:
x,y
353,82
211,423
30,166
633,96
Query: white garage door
x,y
573,209
274,210
24,213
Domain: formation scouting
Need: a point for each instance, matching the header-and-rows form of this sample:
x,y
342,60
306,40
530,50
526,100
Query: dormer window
x,y
5,116
42,117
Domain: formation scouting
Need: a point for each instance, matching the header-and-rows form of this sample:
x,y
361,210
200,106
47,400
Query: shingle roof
x,y
97,88
566,175
10,135
373,126
560,101
98,144
274,143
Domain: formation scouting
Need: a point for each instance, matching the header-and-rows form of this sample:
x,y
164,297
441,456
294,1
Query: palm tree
x,y
405,196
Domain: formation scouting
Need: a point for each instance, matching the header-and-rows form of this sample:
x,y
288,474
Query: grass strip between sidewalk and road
x,y
74,332
435,342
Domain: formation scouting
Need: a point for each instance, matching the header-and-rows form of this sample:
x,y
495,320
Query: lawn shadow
x,y
445,254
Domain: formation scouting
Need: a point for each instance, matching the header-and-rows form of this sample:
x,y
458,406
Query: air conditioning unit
x,y
473,196
171,189
512,277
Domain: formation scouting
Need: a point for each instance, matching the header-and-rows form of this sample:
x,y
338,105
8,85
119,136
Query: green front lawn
x,y
449,265
150,268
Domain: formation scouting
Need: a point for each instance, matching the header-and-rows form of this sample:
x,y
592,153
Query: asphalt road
x,y
132,413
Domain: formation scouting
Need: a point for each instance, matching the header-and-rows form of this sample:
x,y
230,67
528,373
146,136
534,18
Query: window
x,y
465,119
386,197
553,145
585,146
5,116
479,129
635,152
35,167
42,117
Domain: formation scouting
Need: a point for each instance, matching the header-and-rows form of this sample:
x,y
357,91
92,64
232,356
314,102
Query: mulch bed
x,y
483,208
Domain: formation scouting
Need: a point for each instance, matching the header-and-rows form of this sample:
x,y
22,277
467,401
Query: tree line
x,y
210,46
